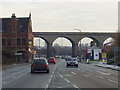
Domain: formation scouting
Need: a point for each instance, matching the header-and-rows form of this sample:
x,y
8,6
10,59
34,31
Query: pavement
x,y
105,65
6,67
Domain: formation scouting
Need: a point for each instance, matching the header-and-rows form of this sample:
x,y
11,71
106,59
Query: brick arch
x,y
44,39
72,42
74,38
64,37
93,38
107,38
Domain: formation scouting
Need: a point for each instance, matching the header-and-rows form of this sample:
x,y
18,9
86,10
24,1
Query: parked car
x,y
40,64
72,62
51,60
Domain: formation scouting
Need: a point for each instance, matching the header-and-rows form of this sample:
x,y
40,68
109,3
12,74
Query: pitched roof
x,y
23,22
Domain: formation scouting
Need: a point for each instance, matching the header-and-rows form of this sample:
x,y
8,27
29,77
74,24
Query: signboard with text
x,y
104,55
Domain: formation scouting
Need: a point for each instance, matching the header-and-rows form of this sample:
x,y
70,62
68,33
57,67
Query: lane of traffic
x,y
36,80
85,79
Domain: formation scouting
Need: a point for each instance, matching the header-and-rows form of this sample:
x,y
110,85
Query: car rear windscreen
x,y
51,58
39,61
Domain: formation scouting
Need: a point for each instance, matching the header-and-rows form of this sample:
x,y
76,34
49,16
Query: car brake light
x,y
32,65
46,65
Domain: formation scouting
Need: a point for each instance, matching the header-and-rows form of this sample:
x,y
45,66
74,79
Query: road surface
x,y
84,77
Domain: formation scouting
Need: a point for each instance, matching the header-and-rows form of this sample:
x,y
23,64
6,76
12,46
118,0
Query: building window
x,y
3,41
24,41
18,41
8,42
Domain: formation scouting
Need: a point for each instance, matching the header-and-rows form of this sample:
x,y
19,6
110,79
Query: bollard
x,y
87,61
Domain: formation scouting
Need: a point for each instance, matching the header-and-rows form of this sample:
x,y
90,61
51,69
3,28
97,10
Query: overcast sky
x,y
66,16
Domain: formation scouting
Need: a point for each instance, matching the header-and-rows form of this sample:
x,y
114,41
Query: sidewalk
x,y
104,65
6,67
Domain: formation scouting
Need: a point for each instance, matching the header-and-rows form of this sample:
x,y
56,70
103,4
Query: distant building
x,y
17,36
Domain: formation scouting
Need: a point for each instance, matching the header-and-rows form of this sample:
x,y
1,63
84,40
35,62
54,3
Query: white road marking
x,y
51,76
49,80
61,76
75,86
103,73
46,86
113,81
64,78
90,73
86,75
67,80
63,86
100,77
73,72
67,75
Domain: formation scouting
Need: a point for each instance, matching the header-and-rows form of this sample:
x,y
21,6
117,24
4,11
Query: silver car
x,y
72,62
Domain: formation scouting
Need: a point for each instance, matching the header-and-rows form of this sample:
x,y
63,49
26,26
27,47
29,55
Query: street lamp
x,y
80,41
39,41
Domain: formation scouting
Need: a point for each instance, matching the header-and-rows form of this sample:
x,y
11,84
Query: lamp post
x,y
80,41
39,41
39,45
16,40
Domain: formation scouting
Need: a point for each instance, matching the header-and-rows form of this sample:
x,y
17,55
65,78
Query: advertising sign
x,y
104,55
96,54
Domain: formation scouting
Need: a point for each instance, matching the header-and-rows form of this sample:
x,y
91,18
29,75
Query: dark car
x,y
72,62
51,60
40,64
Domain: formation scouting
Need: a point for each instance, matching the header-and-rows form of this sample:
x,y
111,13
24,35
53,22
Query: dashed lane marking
x,y
67,80
75,86
50,78
113,81
103,73
61,76
100,77
73,72
46,86
63,86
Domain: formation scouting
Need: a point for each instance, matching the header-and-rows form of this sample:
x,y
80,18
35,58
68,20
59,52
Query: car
x,y
67,58
51,60
72,62
40,64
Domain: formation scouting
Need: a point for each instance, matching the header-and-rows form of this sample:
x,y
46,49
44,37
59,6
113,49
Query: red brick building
x,y
17,37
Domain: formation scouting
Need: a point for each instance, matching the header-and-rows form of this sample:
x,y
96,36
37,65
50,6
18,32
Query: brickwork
x,y
16,34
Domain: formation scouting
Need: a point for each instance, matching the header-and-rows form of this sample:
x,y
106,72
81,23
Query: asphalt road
x,y
85,76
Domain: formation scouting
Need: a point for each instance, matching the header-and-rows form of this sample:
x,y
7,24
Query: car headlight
x,y
76,62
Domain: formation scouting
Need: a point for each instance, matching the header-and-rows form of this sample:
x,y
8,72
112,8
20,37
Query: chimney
x,y
13,15
30,15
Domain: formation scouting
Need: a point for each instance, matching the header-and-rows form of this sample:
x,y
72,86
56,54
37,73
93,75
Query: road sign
x,y
104,55
89,51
